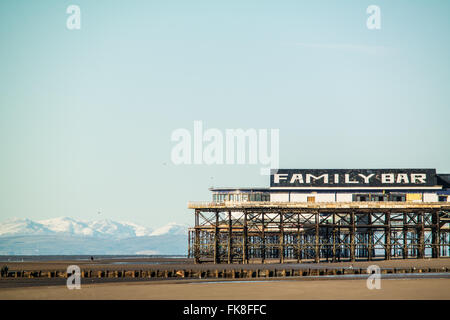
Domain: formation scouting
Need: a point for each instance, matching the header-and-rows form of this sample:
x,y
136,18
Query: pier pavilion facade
x,y
326,215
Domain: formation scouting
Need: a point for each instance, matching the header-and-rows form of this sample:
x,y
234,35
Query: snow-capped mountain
x,y
23,226
171,228
69,226
70,236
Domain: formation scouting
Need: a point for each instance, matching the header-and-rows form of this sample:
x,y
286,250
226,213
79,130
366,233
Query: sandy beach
x,y
273,290
403,287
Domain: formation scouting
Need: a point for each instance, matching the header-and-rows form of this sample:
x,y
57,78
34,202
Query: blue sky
x,y
86,115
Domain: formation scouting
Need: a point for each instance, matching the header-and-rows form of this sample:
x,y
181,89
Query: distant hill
x,y
68,236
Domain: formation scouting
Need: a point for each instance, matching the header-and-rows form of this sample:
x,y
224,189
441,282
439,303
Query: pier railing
x,y
318,205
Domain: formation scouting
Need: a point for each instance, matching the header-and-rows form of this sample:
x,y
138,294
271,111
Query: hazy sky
x,y
86,115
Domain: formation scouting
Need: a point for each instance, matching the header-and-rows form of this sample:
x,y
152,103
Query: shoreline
x,y
174,263
153,269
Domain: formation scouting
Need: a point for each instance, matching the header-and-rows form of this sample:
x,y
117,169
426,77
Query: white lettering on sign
x,y
402,178
297,177
281,176
387,178
309,176
366,178
347,179
420,177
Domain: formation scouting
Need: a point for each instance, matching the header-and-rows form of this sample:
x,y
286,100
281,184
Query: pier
x,y
263,232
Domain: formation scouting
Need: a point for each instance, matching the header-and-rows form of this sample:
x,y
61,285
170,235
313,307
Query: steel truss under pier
x,y
280,232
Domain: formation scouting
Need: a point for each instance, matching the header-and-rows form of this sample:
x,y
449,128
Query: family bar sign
x,y
352,177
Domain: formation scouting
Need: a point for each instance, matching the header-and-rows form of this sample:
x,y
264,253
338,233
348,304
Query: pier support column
x,y
230,238
405,236
387,236
334,237
435,234
281,248
352,236
317,246
189,244
197,239
245,240
438,235
216,240
299,240
370,238
421,229
263,239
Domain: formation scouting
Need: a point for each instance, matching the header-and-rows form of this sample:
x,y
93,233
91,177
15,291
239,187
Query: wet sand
x,y
272,290
180,263
129,288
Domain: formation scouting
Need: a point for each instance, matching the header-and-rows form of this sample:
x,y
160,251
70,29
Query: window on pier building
x,y
361,197
371,197
397,197
259,196
378,197
240,196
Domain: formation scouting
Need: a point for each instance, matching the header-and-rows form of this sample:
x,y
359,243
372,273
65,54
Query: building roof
x,y
227,189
